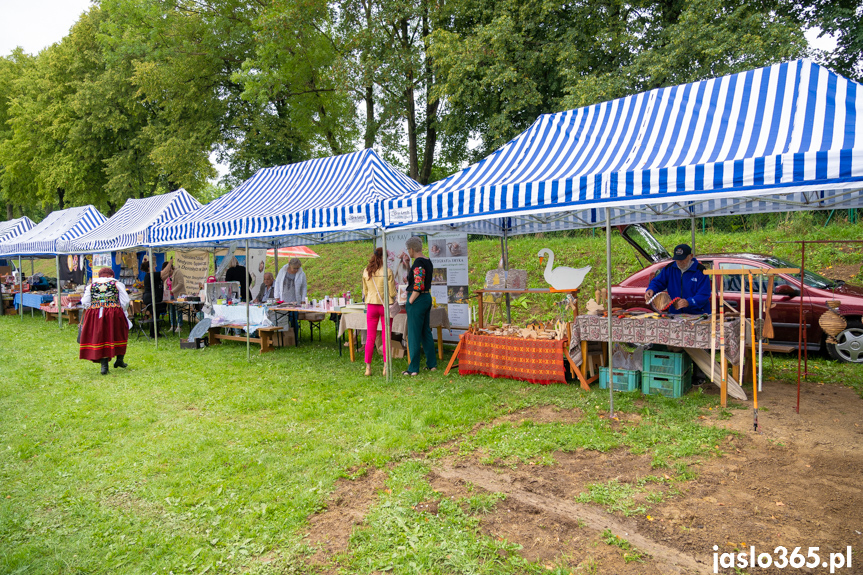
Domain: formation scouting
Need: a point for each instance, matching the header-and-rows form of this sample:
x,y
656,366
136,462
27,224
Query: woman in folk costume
x,y
106,328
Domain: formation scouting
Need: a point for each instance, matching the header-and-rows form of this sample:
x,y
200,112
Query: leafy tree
x,y
11,69
843,20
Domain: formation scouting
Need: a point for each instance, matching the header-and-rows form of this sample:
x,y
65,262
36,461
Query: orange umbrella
x,y
295,252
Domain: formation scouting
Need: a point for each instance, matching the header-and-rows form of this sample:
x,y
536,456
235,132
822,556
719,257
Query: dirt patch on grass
x,y
794,483
331,529
841,272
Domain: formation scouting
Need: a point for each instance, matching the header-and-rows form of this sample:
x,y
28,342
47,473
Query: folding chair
x,y
145,321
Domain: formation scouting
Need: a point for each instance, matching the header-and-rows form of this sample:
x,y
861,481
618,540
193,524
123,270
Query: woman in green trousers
x,y
418,308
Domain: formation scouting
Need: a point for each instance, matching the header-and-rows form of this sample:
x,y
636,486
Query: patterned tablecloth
x,y
236,314
68,300
357,320
536,361
673,332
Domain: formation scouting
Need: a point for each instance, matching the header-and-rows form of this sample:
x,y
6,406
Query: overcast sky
x,y
36,24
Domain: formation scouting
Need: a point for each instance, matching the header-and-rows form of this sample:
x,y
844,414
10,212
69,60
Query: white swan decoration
x,y
561,278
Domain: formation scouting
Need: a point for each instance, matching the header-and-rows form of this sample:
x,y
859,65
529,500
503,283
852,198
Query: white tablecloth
x,y
439,318
225,314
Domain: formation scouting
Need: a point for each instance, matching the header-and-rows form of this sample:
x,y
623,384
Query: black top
x,y
238,274
420,276
160,288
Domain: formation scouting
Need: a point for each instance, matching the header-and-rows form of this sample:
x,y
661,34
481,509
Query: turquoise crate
x,y
665,362
624,379
667,385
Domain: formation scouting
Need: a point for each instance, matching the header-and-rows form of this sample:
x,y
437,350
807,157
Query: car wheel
x,y
849,343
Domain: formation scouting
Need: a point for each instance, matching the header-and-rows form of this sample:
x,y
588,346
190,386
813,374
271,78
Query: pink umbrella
x,y
295,252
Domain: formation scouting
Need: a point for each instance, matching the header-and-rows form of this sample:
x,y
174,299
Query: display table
x,y
34,300
235,315
535,361
306,312
438,319
673,332
72,315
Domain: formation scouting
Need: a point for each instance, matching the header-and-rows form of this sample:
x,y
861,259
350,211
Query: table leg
x,y
214,331
454,355
439,342
266,344
584,385
351,343
479,308
583,353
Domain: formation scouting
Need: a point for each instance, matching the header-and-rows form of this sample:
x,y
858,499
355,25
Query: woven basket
x,y
831,322
662,301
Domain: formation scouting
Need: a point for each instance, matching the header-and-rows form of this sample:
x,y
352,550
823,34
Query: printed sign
x,y
194,265
448,254
400,216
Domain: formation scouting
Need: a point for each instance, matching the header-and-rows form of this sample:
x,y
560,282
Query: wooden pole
x,y
752,333
742,357
713,328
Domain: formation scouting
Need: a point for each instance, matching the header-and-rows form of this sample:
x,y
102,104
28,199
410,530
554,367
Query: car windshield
x,y
812,279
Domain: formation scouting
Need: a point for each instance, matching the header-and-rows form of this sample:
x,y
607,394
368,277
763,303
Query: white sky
x,y
36,24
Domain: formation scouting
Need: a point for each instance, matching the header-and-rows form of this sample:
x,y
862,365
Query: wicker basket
x,y
831,322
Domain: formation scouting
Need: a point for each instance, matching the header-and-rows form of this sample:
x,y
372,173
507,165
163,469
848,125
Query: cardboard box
x,y
286,339
198,343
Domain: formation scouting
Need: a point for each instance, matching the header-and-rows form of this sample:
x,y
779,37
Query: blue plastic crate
x,y
665,362
623,379
667,385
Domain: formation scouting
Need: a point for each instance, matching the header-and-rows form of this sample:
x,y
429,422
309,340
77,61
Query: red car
x,y
786,295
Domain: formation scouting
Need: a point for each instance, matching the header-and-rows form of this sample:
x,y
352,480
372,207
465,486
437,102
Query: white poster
x,y
397,256
439,293
448,254
101,260
257,260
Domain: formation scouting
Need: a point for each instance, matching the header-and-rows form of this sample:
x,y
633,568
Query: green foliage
x,y
616,497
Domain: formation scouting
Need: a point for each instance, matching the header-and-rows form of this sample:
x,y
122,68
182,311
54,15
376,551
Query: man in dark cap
x,y
685,282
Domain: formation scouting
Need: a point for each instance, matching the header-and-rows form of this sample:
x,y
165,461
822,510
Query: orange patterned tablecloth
x,y
536,361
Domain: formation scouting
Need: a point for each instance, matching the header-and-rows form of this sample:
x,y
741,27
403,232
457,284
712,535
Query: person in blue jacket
x,y
683,278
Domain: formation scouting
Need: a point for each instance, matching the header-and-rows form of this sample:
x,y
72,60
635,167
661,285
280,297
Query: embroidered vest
x,y
104,294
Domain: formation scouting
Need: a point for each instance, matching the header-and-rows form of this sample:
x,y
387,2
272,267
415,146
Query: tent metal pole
x,y
506,269
692,221
154,309
385,333
276,252
21,288
248,305
608,286
59,295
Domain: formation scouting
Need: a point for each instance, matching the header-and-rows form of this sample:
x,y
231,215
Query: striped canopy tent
x,y
317,201
13,228
131,226
42,239
774,139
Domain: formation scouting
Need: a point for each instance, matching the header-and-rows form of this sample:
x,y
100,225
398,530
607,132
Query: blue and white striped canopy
x,y
131,226
322,200
13,228
58,226
775,139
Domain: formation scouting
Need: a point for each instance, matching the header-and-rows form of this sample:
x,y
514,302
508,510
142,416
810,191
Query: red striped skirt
x,y
106,336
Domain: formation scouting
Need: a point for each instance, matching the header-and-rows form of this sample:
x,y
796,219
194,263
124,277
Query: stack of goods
x,y
534,330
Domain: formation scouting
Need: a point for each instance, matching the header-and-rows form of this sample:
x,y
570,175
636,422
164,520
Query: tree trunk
x,y
431,109
61,204
371,126
410,104
9,211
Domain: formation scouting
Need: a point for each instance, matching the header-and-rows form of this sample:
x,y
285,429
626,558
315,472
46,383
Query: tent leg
x,y
692,221
21,287
608,286
59,294
153,310
248,304
506,269
388,362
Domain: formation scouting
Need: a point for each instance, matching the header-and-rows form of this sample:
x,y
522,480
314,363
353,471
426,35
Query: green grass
x,y
199,461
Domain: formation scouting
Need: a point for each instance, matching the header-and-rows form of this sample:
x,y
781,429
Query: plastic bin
x,y
623,379
666,362
667,385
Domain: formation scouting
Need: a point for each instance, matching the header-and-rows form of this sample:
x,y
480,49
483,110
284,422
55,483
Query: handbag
x,y
81,326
